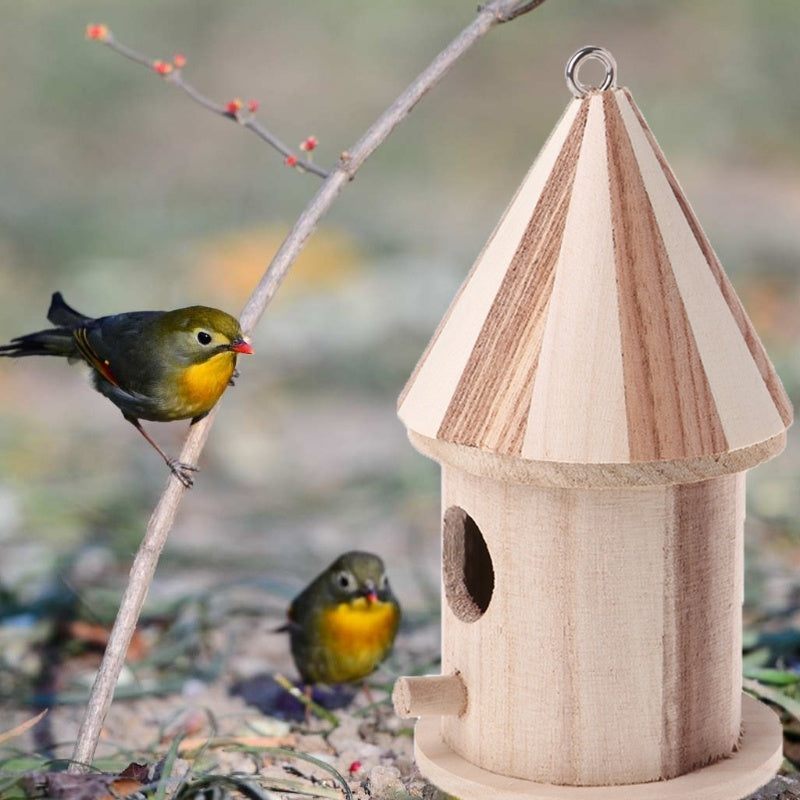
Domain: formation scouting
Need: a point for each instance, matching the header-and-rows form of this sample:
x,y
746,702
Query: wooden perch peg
x,y
430,696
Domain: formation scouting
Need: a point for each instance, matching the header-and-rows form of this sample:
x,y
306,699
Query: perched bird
x,y
343,624
154,365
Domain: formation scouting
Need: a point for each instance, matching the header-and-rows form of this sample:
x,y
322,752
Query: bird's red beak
x,y
242,346
372,597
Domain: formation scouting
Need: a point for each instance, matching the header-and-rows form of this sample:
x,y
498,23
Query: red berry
x,y
309,144
290,161
234,106
97,32
162,67
252,106
179,60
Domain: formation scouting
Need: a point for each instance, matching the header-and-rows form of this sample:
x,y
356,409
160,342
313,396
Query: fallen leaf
x,y
87,786
95,635
21,728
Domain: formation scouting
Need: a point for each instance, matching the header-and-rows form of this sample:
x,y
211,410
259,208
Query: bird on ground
x,y
153,365
343,624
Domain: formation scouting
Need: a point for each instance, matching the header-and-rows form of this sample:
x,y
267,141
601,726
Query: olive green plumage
x,y
153,365
343,624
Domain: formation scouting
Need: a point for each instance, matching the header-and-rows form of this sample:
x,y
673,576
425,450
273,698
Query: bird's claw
x,y
183,472
232,381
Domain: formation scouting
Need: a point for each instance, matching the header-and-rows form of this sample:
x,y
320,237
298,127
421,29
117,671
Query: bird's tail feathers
x,y
287,627
60,313
50,342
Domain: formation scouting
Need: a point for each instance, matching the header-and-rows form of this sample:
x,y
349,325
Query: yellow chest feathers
x,y
201,385
360,631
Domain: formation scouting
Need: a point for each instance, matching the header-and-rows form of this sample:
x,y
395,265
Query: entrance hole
x,y
467,566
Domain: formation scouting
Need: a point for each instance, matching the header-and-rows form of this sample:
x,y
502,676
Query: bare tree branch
x,y
163,517
513,10
174,74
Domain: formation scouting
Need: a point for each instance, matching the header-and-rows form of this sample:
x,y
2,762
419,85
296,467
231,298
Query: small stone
x,y
384,782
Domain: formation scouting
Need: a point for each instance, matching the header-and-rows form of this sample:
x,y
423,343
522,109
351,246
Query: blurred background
x,y
123,194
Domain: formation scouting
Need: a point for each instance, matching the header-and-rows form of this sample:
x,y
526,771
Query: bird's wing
x,y
122,350
102,365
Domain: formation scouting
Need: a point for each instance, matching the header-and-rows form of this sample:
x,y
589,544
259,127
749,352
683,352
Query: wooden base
x,y
750,767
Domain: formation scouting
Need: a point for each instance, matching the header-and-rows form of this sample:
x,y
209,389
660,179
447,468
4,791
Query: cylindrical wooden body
x,y
598,630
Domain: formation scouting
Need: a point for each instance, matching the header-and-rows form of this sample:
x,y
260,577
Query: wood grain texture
x,y
490,405
428,392
755,762
594,395
429,695
671,413
597,326
576,475
759,355
749,407
607,653
577,405
702,662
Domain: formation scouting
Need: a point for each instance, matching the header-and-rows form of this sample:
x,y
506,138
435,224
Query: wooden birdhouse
x,y
594,396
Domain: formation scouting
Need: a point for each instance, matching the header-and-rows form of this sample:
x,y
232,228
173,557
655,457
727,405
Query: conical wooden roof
x,y
597,327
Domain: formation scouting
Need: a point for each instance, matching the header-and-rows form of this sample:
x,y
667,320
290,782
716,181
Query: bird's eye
x,y
383,583
346,581
204,337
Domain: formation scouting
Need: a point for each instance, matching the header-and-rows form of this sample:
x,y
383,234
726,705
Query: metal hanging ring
x,y
598,53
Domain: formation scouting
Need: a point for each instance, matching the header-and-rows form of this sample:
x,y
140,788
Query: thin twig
x,y
175,77
163,517
306,700
514,10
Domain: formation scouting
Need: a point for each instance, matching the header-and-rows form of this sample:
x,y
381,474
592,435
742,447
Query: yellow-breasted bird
x,y
343,624
153,365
